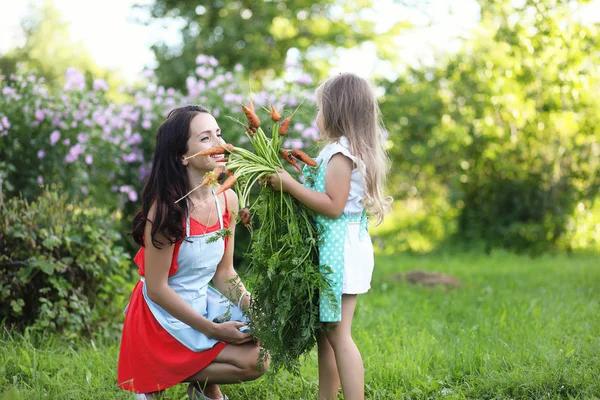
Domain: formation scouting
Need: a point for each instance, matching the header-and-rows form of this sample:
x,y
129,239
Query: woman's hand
x,y
283,181
228,332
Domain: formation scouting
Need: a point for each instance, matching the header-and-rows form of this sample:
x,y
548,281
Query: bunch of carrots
x,y
284,263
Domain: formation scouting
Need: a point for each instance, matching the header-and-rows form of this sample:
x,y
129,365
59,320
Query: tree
x,y
258,35
49,48
509,125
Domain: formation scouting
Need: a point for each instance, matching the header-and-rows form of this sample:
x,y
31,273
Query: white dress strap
x,y
218,210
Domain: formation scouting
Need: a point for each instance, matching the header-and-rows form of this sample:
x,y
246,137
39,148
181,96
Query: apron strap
x,y
218,210
187,221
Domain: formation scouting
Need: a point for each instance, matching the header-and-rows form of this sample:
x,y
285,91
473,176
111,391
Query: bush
x,y
59,267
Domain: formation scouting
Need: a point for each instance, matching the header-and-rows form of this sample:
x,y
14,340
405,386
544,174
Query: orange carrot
x,y
213,151
228,184
288,157
213,176
283,128
228,146
275,116
302,156
244,216
253,119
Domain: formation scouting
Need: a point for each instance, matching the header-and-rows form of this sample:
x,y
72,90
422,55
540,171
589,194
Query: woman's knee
x,y
255,365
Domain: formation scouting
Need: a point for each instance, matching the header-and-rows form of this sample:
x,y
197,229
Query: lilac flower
x,y
311,133
201,59
39,115
54,137
136,138
84,190
74,124
304,79
75,79
82,138
238,68
290,63
67,142
293,143
213,61
129,158
41,154
8,90
298,126
170,91
40,180
5,123
148,73
100,84
130,192
146,124
69,158
216,112
89,159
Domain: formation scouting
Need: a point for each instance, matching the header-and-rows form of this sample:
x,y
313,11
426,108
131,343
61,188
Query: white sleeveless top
x,y
357,180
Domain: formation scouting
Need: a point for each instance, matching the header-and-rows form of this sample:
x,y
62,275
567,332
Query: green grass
x,y
519,328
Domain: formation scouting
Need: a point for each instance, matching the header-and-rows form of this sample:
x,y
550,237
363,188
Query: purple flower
x,y
146,124
100,84
148,73
201,59
75,79
5,123
54,137
89,159
39,115
82,138
130,192
40,180
129,158
238,68
74,124
8,90
298,126
67,142
84,190
216,112
311,133
41,154
293,143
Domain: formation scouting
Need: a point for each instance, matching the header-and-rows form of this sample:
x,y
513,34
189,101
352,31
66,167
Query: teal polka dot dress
x,y
346,273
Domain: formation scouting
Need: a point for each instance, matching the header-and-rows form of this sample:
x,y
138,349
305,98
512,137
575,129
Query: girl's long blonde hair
x,y
350,109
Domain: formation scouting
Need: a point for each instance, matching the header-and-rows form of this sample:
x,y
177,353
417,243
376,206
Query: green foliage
x,y
509,126
49,49
60,268
258,35
510,333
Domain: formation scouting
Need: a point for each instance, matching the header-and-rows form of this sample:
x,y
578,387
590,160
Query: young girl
x,y
169,335
348,181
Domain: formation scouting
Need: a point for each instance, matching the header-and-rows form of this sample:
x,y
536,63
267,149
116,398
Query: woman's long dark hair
x,y
168,180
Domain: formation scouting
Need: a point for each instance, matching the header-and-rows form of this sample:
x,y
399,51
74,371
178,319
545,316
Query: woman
x,y
169,335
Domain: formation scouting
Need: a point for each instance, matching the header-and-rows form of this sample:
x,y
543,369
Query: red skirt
x,y
150,358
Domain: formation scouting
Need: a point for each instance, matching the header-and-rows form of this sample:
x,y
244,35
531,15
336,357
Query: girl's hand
x,y
228,332
283,181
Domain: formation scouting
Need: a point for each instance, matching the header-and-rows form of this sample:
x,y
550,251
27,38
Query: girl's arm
x,y
331,203
226,279
158,263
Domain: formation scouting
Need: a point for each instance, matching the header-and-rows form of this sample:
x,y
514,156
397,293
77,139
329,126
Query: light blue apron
x,y
197,262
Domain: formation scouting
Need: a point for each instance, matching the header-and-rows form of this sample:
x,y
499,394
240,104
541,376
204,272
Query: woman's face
x,y
204,134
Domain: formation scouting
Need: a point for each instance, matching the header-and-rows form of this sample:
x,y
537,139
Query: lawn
x,y
519,328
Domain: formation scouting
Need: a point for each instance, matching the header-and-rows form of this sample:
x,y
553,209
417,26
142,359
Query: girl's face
x,y
320,118
204,134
